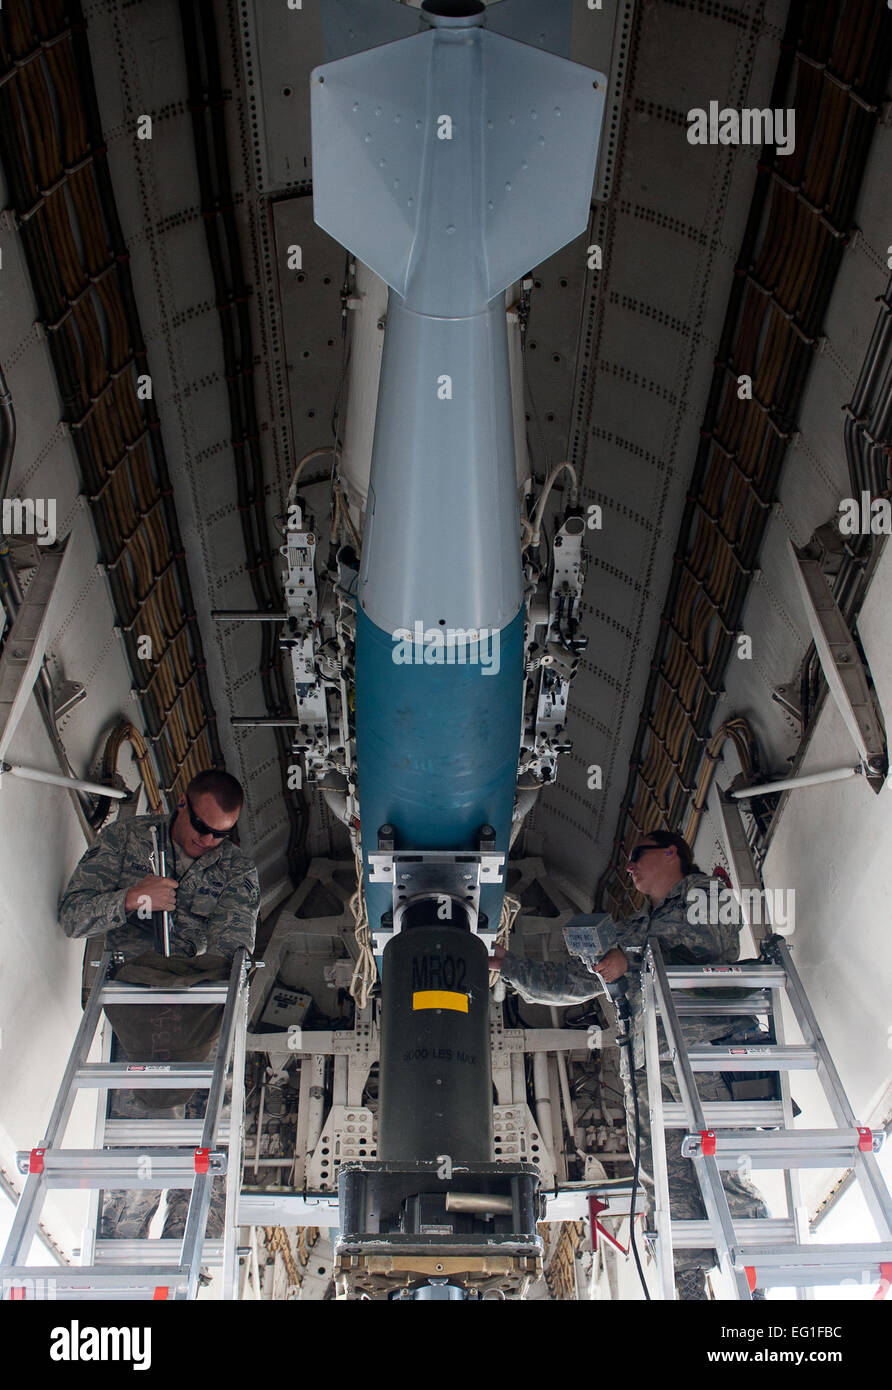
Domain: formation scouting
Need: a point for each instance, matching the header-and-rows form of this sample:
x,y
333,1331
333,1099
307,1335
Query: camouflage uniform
x,y
217,898
216,912
681,943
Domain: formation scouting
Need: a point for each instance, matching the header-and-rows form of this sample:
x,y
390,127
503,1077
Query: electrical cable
x,y
539,512
313,454
127,733
365,969
510,909
624,1039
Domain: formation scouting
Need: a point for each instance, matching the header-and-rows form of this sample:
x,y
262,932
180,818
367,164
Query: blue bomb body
x,y
450,162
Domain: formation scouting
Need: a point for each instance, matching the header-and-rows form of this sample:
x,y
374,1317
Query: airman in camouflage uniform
x,y
217,896
681,943
213,895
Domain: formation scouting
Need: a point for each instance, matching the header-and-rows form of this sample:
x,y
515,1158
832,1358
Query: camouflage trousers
x,y
685,1201
163,1033
127,1214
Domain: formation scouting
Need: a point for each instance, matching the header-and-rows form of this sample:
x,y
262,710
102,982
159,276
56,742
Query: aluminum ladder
x,y
138,1154
756,1252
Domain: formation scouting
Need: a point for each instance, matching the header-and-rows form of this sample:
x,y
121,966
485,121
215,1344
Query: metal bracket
x,y
66,695
787,696
455,875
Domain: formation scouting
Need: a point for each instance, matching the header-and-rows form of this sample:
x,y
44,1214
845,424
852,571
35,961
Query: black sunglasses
x,y
199,826
639,850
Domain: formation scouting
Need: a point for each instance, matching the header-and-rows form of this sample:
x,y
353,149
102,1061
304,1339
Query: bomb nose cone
x,y
453,14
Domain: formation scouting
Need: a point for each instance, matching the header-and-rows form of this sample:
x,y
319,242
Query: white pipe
x,y
542,1102
565,1084
55,779
316,1105
255,1265
259,1126
811,779
484,1202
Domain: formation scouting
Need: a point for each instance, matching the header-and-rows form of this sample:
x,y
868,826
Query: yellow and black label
x,y
439,999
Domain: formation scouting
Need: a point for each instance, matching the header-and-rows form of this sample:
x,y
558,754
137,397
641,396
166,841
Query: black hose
x,y
624,1041
627,1042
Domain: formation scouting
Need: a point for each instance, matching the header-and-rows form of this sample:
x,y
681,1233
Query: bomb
x,y
436,1075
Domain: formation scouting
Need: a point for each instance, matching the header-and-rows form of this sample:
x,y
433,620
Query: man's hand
x,y
611,966
498,955
161,893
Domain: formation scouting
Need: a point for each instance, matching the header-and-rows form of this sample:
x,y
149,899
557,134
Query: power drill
x,y
590,936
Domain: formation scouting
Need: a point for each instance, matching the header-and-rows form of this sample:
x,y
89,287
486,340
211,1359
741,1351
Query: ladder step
x,y
113,993
749,1231
169,1133
154,1153
726,1114
800,1148
761,1132
770,1246
804,1265
767,1057
759,1002
726,977
153,1252
156,1076
91,1282
120,1168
